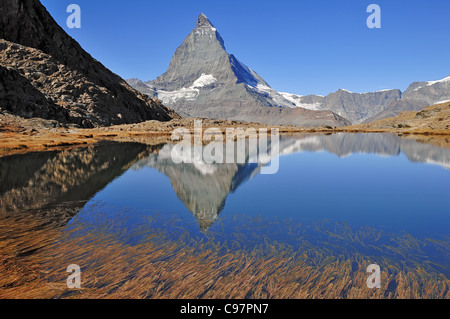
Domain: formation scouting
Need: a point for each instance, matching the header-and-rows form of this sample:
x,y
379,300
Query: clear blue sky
x,y
297,46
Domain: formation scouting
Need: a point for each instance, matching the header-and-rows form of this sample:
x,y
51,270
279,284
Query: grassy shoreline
x,y
18,137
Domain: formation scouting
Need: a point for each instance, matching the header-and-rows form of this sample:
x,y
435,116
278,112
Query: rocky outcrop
x,y
357,107
368,107
74,87
20,97
204,80
418,96
143,88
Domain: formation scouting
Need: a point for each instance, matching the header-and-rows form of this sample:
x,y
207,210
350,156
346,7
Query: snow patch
x,y
190,93
291,96
195,158
206,31
380,91
440,102
430,83
284,99
447,79
204,80
300,145
277,97
173,96
297,101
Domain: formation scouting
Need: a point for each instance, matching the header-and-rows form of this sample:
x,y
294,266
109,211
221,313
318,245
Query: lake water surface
x,y
371,198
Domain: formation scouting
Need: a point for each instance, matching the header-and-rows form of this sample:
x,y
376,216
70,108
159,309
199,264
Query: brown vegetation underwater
x,y
35,251
36,247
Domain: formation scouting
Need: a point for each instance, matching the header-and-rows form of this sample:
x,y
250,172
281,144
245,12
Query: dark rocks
x,y
64,76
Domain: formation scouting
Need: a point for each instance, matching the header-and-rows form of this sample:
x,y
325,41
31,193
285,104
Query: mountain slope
x,y
435,118
40,51
416,97
368,107
357,107
204,80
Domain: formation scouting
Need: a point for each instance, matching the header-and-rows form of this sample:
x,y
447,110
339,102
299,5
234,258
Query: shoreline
x,y
19,135
21,139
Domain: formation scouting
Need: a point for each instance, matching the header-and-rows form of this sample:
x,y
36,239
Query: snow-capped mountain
x,y
204,80
418,96
367,107
357,107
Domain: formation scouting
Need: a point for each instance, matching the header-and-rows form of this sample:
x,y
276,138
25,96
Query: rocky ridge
x,y
57,79
372,106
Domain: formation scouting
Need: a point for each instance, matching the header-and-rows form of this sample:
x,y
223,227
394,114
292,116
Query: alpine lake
x,y
141,225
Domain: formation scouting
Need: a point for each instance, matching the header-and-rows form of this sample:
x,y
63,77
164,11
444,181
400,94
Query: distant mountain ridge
x,y
372,106
357,107
418,96
204,80
233,90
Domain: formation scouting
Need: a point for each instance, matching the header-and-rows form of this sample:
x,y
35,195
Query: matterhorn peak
x,y
206,30
205,80
203,21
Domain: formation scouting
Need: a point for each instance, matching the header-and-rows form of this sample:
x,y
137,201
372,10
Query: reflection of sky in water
x,y
368,197
389,193
345,203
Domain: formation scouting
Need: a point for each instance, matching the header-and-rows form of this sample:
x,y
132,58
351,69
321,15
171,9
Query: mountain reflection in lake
x,y
337,204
